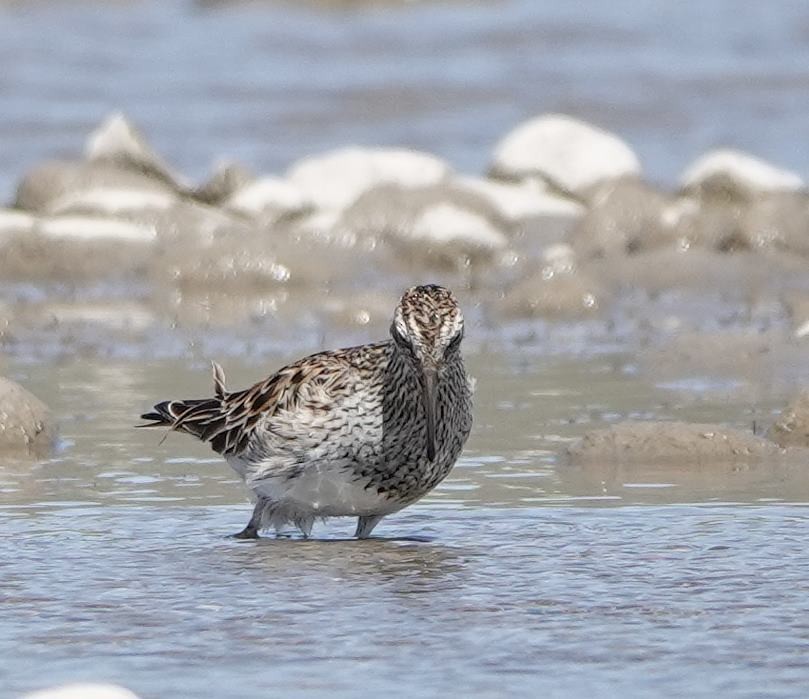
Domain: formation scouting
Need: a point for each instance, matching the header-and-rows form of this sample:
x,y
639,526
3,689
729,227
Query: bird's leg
x,y
251,530
366,524
304,524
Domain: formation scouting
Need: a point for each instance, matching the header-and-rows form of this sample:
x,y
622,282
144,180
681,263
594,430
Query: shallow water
x,y
520,574
266,82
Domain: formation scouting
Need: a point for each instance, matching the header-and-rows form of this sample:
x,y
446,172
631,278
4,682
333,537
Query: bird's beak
x,y
429,396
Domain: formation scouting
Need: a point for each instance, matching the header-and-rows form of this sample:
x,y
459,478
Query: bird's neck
x,y
401,365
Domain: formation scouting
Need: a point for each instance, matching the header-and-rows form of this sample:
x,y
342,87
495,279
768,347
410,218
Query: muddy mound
x,y
26,427
792,427
649,442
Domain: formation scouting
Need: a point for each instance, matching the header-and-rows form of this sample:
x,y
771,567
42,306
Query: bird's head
x,y
427,329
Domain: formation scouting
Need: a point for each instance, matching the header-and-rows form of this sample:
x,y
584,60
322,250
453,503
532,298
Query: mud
x,y
676,442
792,426
26,425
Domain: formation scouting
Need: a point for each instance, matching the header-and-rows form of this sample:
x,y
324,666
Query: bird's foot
x,y
247,533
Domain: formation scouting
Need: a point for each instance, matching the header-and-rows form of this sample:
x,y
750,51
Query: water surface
x,y
519,575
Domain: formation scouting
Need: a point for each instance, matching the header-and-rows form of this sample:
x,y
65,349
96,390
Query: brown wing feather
x,y
228,420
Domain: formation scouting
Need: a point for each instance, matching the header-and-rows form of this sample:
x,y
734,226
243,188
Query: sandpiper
x,y
361,432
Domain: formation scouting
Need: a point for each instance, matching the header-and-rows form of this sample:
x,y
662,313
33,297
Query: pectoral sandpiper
x,y
362,432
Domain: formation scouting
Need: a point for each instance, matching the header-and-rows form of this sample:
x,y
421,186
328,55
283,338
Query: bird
x,y
357,432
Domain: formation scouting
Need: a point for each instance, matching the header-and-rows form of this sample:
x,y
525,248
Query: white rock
x,y
320,224
521,200
268,194
118,141
446,224
227,179
13,221
740,169
49,182
335,180
569,153
678,210
90,228
83,691
113,201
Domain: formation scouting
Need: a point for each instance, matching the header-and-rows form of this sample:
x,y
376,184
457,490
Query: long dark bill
x,y
429,396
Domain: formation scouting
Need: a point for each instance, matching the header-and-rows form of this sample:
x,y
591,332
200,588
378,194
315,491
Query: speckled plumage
x,y
363,431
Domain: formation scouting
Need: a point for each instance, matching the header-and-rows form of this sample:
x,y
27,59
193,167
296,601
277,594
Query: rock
x,y
439,225
792,427
54,183
678,210
226,180
447,223
117,142
780,220
323,225
112,202
336,179
83,691
13,222
516,202
558,290
269,198
75,248
92,228
570,154
624,217
26,426
708,223
730,174
678,442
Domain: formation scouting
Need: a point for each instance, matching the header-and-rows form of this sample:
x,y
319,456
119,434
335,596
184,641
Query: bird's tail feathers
x,y
202,418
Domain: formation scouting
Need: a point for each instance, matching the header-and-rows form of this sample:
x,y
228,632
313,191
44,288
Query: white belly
x,y
324,492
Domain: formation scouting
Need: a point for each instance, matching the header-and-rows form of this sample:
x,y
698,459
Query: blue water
x,y
562,602
265,83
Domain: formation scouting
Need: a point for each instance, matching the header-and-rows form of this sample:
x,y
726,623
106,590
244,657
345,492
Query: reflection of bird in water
x,y
361,432
400,564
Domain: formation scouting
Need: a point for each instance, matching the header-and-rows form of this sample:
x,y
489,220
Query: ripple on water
x,y
521,574
522,601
